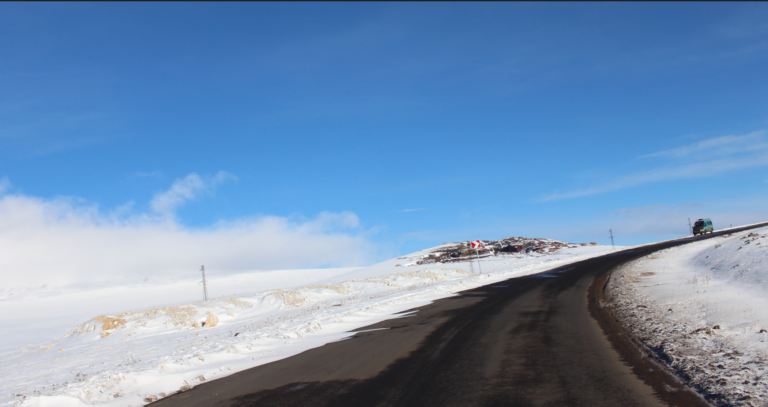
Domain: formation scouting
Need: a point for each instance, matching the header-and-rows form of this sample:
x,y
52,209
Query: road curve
x,y
541,340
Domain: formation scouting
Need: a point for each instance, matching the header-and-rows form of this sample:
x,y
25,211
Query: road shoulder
x,y
644,362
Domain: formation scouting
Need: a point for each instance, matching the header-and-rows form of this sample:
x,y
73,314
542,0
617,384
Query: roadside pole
x,y
477,245
611,232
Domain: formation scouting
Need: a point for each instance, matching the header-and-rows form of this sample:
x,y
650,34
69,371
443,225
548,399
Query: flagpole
x,y
478,260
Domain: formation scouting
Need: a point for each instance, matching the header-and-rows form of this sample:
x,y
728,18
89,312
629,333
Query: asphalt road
x,y
542,340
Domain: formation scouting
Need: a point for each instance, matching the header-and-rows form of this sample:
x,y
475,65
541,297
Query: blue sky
x,y
409,125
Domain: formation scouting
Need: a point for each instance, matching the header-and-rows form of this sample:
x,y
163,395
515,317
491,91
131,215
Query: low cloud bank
x,y
65,241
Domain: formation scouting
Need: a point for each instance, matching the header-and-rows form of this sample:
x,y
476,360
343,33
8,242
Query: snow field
x,y
133,358
37,314
703,309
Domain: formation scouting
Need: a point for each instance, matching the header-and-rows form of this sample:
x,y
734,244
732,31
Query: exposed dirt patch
x,y
109,323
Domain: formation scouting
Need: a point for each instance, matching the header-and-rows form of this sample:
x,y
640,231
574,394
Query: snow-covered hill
x,y
134,357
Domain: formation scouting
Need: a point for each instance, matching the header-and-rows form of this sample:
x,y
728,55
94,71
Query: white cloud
x,y
635,210
147,174
707,158
5,185
412,210
64,241
326,221
718,146
186,189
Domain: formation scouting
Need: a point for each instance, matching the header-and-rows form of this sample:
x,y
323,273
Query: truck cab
x,y
703,226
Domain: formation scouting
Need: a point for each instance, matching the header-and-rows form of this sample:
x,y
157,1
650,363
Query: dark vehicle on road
x,y
703,226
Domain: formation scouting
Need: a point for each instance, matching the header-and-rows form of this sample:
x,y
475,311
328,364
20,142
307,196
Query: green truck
x,y
703,226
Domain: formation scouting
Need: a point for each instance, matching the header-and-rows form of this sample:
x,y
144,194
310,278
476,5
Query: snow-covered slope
x,y
704,308
134,357
740,260
38,314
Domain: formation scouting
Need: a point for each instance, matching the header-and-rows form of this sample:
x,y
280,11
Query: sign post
x,y
477,245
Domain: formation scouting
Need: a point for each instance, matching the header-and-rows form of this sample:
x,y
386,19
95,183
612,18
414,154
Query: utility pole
x,y
690,228
205,284
611,232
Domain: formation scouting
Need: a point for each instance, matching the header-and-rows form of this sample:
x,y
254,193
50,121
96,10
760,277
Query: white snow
x,y
704,307
36,315
148,342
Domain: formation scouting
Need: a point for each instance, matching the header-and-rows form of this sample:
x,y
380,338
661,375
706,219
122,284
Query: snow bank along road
x,y
702,308
538,340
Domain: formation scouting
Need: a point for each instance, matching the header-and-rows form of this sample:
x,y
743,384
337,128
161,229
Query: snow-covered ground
x,y
32,315
703,308
150,340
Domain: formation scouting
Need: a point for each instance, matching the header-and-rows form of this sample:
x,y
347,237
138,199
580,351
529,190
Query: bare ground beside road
x,y
541,340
